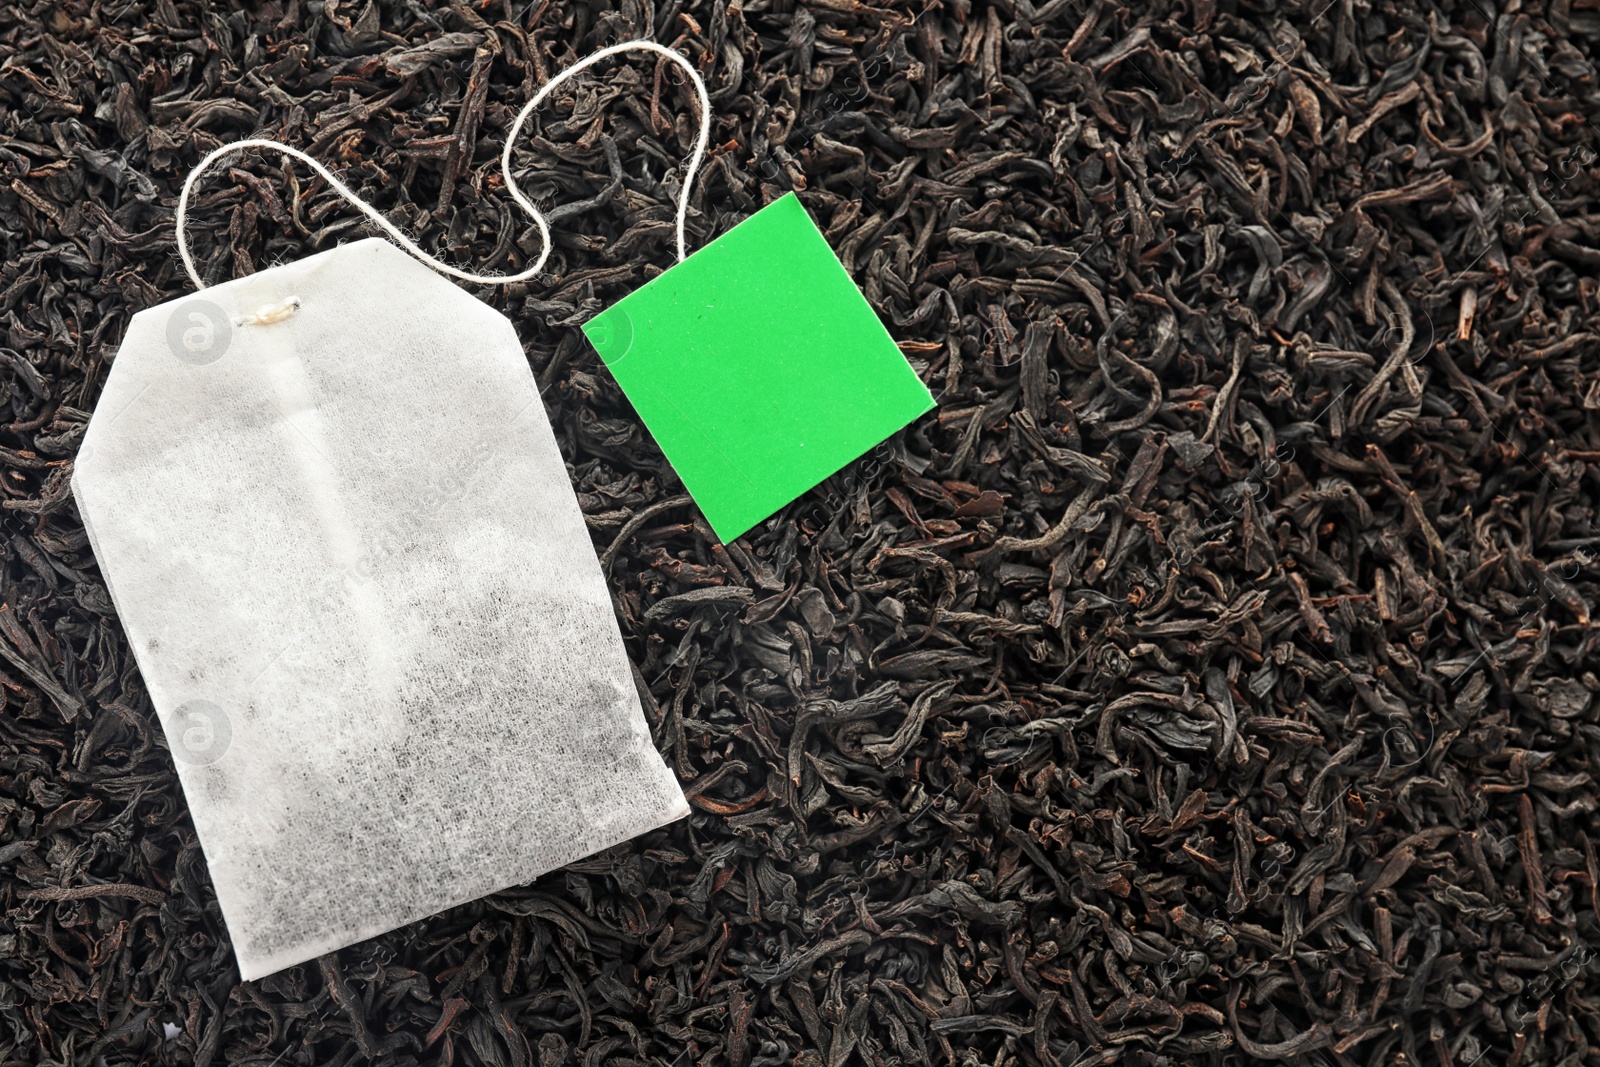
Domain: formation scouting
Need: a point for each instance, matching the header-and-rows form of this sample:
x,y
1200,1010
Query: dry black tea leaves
x,y
1209,679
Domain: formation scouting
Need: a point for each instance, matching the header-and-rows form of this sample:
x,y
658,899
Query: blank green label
x,y
758,366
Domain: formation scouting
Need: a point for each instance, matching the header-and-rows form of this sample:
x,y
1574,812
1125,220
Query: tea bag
x,y
340,536
343,544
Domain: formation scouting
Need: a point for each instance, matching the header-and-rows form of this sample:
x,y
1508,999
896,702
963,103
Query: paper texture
x,y
758,366
349,561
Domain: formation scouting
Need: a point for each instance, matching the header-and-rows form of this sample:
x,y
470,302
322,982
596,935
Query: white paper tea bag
x,y
349,561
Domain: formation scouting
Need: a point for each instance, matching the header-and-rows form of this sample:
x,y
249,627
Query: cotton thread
x,y
405,242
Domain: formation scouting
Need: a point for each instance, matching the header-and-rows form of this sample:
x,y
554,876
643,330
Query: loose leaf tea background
x,y
1210,679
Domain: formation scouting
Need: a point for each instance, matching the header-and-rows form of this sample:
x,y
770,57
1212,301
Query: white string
x,y
405,242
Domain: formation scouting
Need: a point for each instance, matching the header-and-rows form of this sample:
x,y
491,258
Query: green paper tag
x,y
758,366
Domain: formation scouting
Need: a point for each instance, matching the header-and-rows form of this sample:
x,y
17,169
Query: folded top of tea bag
x,y
349,561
